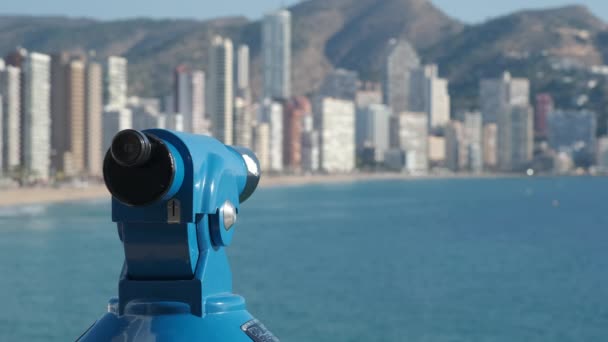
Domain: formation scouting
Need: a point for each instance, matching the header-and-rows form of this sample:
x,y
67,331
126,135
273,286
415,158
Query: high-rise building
x,y
10,89
335,120
94,152
243,108
340,84
189,97
456,151
413,140
295,111
437,151
544,106
310,145
602,155
59,111
75,165
243,122
515,138
220,89
401,59
473,132
116,82
242,70
261,144
114,121
272,113
497,95
489,146
369,93
372,131
575,132
146,113
36,119
429,94
276,54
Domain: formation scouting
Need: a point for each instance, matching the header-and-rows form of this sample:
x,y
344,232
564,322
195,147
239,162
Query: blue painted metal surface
x,y
176,284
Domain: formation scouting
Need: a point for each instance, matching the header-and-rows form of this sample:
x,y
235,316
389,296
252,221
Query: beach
x,y
44,195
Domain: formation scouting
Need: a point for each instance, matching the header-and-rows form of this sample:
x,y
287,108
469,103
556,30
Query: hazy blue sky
x,y
466,10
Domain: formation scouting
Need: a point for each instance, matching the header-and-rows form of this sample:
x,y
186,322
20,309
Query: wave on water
x,y
23,210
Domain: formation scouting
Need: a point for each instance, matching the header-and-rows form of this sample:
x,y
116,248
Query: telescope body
x,y
176,198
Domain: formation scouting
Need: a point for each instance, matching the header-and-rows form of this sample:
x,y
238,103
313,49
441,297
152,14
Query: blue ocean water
x,y
431,260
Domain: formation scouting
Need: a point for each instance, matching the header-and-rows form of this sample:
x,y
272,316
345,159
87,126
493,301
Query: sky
x,y
470,11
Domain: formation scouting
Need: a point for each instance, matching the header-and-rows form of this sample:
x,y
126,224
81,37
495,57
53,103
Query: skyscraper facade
x,y
10,89
276,54
372,130
76,118
220,89
335,120
544,106
94,153
36,120
473,132
116,82
189,97
295,111
59,111
242,70
413,140
243,108
515,138
497,95
401,59
272,113
456,152
574,132
114,121
340,84
310,145
429,94
490,146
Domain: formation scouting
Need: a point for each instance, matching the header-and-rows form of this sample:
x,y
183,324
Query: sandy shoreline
x,y
25,196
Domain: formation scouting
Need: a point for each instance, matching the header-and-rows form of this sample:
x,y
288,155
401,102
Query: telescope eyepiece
x,y
131,148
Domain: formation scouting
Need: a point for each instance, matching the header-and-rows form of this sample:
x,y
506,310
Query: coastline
x,y
28,196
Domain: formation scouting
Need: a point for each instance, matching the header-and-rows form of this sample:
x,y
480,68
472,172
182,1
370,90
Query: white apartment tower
x,y
220,99
335,120
116,82
276,54
36,120
10,89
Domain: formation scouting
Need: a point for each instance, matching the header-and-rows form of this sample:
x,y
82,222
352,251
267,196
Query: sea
x,y
438,260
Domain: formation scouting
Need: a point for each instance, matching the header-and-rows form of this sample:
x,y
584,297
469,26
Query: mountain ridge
x,y
329,34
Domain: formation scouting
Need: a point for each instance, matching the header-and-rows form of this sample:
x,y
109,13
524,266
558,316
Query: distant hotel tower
x,y
116,82
401,60
36,120
243,110
76,121
295,111
189,98
220,89
93,120
10,90
276,52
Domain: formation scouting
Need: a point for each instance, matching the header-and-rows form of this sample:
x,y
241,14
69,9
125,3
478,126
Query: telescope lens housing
x,y
131,148
139,169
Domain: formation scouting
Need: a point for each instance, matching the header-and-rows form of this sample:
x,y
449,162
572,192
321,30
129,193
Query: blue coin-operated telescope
x,y
176,198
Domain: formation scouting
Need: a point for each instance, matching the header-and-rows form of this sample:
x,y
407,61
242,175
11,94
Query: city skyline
x,y
467,11
404,123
